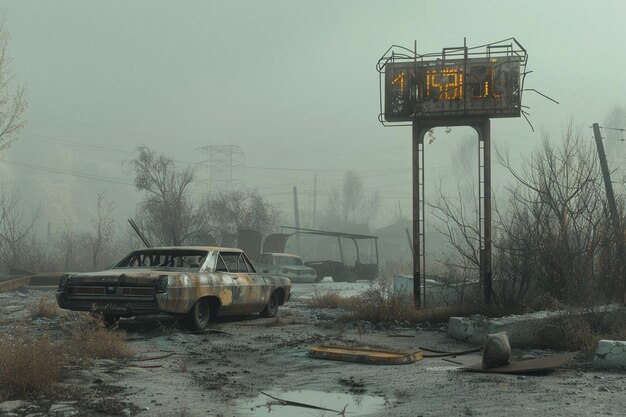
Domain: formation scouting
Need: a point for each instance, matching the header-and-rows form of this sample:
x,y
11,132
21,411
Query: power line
x,y
67,172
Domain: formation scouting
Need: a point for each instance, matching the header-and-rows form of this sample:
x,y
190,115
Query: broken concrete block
x,y
525,330
521,330
610,354
10,406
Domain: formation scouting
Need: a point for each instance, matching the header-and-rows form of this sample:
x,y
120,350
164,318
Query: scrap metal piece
x,y
497,350
442,353
299,404
375,357
543,364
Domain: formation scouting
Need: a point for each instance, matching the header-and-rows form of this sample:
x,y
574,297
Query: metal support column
x,y
484,135
418,220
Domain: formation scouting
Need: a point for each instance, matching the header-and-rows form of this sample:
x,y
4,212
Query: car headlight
x,y
162,284
63,282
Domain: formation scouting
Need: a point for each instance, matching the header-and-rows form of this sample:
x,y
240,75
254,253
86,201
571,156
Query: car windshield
x,y
179,259
288,260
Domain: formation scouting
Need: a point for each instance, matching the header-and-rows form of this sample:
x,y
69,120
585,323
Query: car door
x,y
249,292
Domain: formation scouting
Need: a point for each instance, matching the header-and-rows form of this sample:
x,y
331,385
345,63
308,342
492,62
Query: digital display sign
x,y
461,87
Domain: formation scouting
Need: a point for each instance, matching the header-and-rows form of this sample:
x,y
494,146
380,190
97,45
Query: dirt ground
x,y
221,372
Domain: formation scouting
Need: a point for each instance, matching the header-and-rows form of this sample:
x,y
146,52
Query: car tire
x,y
271,308
110,320
200,314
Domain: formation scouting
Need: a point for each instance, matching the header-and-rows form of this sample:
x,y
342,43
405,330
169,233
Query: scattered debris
x,y
442,353
543,364
497,351
304,405
156,357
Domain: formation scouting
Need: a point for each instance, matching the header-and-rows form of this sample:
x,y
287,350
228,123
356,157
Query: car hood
x,y
122,274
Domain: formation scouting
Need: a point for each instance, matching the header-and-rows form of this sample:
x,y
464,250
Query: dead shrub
x,y
33,363
91,339
580,330
331,300
571,332
44,306
381,303
28,363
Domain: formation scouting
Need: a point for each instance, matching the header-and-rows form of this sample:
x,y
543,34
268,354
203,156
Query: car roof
x,y
203,248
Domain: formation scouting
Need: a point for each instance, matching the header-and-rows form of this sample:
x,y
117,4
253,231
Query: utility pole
x,y
296,214
314,200
617,224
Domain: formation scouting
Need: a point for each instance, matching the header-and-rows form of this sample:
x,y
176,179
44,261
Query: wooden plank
x,y
377,357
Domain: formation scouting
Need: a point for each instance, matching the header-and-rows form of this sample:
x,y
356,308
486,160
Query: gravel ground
x,y
222,371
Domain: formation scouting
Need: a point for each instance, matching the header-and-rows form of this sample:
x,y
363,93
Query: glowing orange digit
x,y
399,80
452,89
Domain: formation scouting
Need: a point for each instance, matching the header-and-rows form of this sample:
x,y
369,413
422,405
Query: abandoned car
x,y
195,283
286,265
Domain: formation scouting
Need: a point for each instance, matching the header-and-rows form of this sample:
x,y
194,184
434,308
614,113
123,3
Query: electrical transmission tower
x,y
224,165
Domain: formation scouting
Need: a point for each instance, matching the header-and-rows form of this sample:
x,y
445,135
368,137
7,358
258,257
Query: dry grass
x,y
380,303
575,331
32,363
92,339
332,300
27,363
44,306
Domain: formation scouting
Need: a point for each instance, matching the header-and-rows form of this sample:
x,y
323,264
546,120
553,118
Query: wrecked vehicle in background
x,y
286,265
196,283
341,269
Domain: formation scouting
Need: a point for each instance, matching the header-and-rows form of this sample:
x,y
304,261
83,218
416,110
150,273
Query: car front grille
x,y
89,291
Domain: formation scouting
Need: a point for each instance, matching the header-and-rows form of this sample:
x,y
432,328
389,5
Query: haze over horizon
x,y
293,84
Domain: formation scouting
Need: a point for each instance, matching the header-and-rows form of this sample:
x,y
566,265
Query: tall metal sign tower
x,y
458,87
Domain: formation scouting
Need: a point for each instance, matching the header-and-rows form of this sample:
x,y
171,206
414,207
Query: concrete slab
x,y
610,354
523,330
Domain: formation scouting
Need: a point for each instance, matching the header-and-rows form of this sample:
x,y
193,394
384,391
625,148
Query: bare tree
x,y
350,208
68,246
100,238
167,212
15,230
227,212
556,223
552,240
12,103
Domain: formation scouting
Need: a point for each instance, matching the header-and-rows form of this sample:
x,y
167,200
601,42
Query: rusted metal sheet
x,y
14,284
375,357
275,243
172,280
543,364
46,279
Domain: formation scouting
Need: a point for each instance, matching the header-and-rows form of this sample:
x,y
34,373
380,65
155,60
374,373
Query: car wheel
x,y
110,320
271,308
200,314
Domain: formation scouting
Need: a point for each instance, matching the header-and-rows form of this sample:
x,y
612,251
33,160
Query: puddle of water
x,y
355,404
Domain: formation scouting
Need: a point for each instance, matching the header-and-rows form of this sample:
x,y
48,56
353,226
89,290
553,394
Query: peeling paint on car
x,y
132,287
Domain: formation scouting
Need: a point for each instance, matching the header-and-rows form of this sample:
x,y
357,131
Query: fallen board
x,y
543,364
377,357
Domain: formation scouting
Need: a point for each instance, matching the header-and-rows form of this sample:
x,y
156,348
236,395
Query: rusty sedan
x,y
196,283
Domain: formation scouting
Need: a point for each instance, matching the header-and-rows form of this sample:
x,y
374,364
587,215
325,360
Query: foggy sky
x,y
293,83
